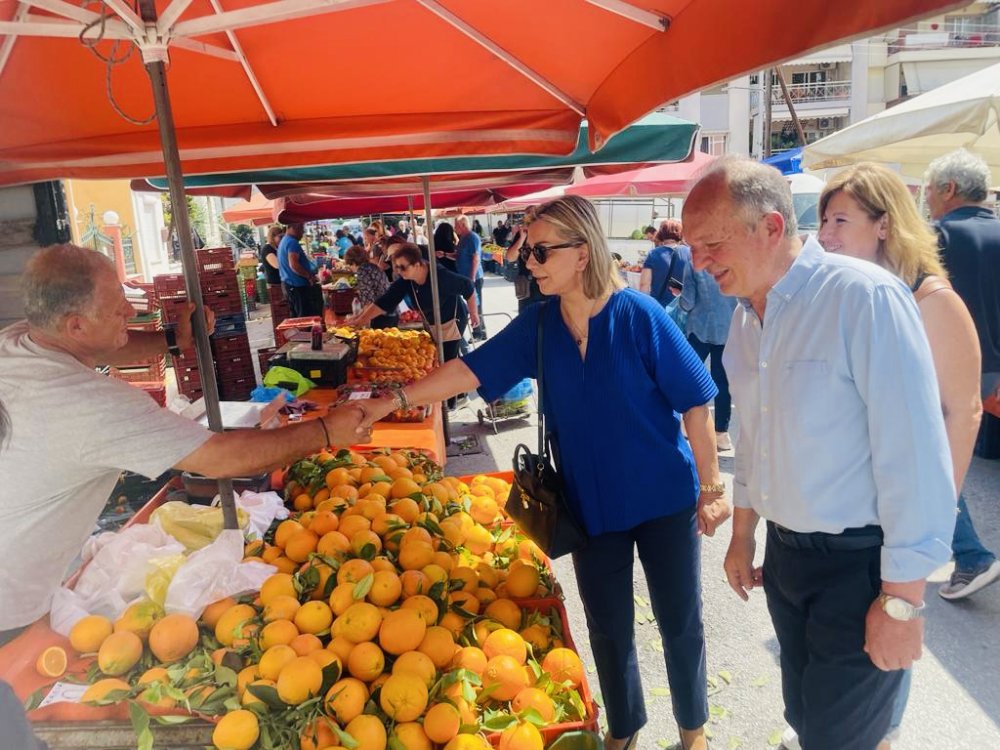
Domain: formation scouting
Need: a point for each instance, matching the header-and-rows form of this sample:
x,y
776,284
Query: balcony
x,y
826,92
912,40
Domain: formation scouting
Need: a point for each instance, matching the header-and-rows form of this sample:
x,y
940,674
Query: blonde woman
x,y
617,375
867,212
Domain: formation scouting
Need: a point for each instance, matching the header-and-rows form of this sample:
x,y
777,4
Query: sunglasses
x,y
541,252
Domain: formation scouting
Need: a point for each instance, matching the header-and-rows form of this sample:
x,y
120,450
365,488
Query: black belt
x,y
849,540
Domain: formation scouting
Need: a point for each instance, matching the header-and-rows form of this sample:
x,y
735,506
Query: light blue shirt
x,y
840,416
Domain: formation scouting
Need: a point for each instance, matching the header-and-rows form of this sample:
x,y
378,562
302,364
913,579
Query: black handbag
x,y
537,503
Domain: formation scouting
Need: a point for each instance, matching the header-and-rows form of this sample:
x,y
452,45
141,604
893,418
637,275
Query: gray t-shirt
x,y
73,431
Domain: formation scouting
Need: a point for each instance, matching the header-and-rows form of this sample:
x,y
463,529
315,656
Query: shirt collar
x,y
963,211
802,268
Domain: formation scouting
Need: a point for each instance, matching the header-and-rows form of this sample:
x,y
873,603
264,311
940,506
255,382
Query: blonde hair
x,y
910,248
575,219
276,230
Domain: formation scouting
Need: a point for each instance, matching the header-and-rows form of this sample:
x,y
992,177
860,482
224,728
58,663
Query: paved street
x,y
955,702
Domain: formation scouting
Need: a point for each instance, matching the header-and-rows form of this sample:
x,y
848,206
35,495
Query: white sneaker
x,y
722,441
790,740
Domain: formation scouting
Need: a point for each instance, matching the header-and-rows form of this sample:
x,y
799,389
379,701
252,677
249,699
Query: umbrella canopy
x,y
256,212
663,179
264,84
787,162
963,113
532,199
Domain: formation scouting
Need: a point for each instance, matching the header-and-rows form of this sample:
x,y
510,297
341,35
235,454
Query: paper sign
x,y
64,692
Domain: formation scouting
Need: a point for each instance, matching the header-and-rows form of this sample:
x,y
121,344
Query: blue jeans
x,y
670,552
723,401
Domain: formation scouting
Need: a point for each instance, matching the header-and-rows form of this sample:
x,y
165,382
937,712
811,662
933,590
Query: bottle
x,y
356,307
317,337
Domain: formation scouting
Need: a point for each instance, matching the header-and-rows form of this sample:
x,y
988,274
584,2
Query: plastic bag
x,y
286,377
158,579
115,576
194,526
264,395
213,573
262,508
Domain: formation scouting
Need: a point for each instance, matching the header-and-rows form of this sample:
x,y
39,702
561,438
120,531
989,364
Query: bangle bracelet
x,y
326,432
719,487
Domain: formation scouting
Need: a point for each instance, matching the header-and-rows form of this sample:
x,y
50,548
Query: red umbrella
x,y
663,179
255,212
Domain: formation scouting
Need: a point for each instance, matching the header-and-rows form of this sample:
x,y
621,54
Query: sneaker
x,y
722,441
790,740
964,583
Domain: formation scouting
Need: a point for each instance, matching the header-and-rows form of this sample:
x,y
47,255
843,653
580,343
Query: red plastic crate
x,y
148,373
224,303
239,344
172,307
340,301
214,259
169,285
156,391
218,281
264,358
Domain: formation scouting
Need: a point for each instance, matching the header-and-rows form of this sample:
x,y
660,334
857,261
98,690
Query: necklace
x,y
578,336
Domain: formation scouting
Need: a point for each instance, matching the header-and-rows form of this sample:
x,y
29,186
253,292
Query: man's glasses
x,y
400,267
541,252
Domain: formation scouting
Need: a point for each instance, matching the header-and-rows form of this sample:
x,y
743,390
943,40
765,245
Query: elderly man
x,y
70,431
842,449
468,263
969,233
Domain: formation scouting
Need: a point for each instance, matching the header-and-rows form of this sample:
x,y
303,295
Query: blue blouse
x,y
615,416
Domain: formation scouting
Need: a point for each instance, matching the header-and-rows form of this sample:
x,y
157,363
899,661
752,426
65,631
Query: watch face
x,y
898,609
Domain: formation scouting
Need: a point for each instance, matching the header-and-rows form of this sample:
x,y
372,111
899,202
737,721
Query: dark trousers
x,y
670,553
303,301
480,332
723,401
818,596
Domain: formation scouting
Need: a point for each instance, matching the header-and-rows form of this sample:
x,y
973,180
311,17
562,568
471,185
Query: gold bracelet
x,y
718,487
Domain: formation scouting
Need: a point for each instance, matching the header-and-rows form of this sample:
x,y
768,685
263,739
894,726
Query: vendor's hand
x,y
713,511
376,409
346,425
889,643
185,331
740,572
474,319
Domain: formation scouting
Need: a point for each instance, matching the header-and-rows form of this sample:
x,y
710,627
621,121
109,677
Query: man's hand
x,y
185,326
346,425
892,644
474,318
375,409
712,512
740,572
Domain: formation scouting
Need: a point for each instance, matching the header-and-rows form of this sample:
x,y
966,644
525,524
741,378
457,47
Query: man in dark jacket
x,y
969,233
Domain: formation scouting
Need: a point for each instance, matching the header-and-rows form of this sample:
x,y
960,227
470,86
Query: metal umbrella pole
x,y
432,264
154,61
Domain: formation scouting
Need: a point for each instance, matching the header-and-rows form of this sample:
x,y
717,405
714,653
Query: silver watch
x,y
900,609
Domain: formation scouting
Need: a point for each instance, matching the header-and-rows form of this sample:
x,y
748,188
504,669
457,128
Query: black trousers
x,y
304,302
818,592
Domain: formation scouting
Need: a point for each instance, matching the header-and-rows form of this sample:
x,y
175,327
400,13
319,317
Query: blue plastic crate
x,y
229,325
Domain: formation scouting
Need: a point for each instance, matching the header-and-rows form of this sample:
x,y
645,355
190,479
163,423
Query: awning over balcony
x,y
781,114
838,54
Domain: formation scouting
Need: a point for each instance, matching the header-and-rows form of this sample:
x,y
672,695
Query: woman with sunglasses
x,y
619,375
414,282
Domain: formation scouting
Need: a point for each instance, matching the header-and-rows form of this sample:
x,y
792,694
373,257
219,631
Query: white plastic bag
x,y
263,508
212,573
115,576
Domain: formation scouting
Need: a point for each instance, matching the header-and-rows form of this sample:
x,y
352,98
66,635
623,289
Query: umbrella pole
x,y
178,202
432,265
413,221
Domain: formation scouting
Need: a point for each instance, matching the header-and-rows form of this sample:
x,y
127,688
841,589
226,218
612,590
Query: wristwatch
x,y
900,609
171,336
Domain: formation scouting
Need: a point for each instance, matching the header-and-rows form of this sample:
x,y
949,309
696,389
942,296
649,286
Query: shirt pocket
x,y
805,392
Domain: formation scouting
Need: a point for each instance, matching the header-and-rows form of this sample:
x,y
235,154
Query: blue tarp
x,y
788,162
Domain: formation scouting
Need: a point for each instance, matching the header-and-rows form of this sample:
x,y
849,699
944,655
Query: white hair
x,y
60,281
969,173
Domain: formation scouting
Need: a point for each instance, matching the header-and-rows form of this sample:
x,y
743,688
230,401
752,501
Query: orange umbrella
x,y
256,212
261,84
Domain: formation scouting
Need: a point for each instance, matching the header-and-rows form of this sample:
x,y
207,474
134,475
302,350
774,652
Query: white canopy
x,y
914,133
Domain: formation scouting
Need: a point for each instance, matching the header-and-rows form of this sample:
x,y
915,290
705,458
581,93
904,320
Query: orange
x,y
435,572
299,680
346,491
352,523
234,623
416,663
386,588
313,617
337,476
504,677
414,583
471,658
442,723
323,657
403,697
281,607
438,644
323,522
341,647
342,597
274,660
505,641
333,543
305,643
237,730
51,662
215,610
468,742
284,565
88,633
386,522
416,534
119,653
368,731
277,632
536,699
366,661
406,508
402,630
354,570
522,581
403,487
359,623
415,554
286,529
302,502
99,690
346,699
478,540
154,675
139,618
300,545
325,573
488,575
484,509
244,677
538,636
317,734
279,584
521,736
411,736
505,611
485,596
453,622
249,699
365,540
173,637
426,606
563,665
466,601
468,577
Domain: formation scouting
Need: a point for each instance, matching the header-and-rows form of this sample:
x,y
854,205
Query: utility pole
x,y
768,86
791,107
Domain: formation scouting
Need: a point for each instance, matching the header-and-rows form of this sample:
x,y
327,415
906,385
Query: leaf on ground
x,y
708,732
735,743
640,617
650,618
711,682
760,681
726,676
656,645
591,669
774,739
599,700
717,713
639,600
660,692
662,743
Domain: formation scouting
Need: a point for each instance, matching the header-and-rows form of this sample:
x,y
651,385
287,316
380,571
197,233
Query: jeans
x,y
723,401
969,552
480,332
670,552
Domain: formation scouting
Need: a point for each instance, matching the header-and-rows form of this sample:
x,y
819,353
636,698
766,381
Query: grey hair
x,y
462,219
60,281
755,188
969,172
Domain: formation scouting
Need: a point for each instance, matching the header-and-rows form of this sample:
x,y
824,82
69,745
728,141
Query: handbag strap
x,y
542,445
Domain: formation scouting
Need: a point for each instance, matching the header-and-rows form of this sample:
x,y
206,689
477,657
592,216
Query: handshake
x,y
352,423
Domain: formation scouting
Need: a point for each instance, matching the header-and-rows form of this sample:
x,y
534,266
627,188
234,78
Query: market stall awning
x,y
662,179
787,162
532,199
961,114
255,212
260,84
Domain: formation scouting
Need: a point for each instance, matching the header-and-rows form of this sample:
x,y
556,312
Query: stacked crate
x,y
233,361
151,369
280,311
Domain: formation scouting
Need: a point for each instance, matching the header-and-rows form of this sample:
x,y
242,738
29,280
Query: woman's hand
x,y
713,511
376,409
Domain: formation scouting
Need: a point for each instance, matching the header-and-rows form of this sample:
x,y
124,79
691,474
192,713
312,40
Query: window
x,y
714,144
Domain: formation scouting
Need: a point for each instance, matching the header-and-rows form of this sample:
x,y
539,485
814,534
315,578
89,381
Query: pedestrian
x,y
468,262
525,287
655,274
618,378
298,275
969,237
445,242
371,284
72,430
269,256
842,450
